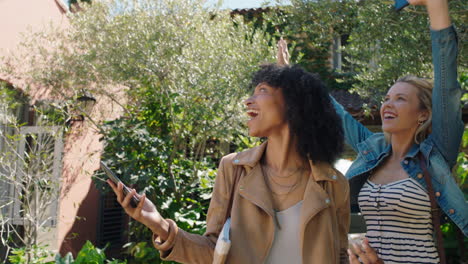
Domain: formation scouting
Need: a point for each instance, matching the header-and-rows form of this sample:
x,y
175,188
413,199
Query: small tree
x,y
29,176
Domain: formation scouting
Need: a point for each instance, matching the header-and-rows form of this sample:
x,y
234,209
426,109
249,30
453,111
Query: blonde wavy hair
x,y
424,90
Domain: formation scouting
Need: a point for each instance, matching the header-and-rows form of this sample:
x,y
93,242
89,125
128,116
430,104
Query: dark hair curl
x,y
310,114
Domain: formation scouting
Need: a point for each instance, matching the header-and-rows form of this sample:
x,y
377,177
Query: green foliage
x,y
461,169
68,259
311,27
34,255
145,161
143,252
452,237
10,101
385,45
88,254
380,45
450,230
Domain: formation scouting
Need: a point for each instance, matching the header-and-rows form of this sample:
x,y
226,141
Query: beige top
x,y
286,247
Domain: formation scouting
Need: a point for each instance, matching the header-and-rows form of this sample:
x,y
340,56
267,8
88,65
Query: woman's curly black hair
x,y
310,114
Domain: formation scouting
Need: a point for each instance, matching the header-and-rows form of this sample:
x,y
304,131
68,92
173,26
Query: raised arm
x,y
355,132
447,125
173,243
437,11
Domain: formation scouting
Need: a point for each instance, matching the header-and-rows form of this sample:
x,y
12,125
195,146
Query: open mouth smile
x,y
252,113
389,115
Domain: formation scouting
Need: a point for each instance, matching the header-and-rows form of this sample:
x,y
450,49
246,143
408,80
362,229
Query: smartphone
x,y
355,239
400,4
135,200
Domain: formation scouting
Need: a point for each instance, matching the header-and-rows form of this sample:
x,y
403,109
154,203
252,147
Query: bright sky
x,y
240,4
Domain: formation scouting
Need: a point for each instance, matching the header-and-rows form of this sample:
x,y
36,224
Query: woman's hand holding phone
x,y
145,211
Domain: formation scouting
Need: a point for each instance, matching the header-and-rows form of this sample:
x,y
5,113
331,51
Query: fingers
x,y
352,258
417,2
117,189
126,201
141,203
282,55
365,254
136,213
282,43
282,46
112,185
361,254
370,252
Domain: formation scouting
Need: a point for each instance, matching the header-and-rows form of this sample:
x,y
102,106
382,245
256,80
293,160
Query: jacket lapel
x,y
253,188
315,197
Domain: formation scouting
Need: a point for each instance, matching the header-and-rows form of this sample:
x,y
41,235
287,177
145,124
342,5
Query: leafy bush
x,y
33,255
88,254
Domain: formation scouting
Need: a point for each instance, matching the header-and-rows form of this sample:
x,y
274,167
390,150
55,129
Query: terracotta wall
x,y
78,205
79,202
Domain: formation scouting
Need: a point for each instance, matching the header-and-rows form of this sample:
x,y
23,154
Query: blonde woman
x,y
421,122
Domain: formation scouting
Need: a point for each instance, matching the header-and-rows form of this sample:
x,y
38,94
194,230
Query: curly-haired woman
x,y
286,202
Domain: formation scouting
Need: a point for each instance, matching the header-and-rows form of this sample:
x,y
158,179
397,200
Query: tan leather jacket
x,y
324,219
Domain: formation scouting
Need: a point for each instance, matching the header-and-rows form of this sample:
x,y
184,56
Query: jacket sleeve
x,y
447,125
193,248
354,131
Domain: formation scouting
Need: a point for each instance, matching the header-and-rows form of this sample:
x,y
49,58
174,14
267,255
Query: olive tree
x,y
183,70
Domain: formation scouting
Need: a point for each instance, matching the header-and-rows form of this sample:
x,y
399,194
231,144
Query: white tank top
x,y
286,248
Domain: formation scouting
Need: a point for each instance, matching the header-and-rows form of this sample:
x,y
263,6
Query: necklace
x,y
270,170
282,185
289,188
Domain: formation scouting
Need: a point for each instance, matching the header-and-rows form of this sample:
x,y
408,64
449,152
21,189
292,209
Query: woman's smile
x,y
266,110
252,113
401,110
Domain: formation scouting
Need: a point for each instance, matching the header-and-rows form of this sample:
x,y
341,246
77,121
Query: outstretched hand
x,y
282,56
417,2
438,12
145,212
363,252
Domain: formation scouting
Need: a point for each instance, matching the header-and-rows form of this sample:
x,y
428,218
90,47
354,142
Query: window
x,y
35,189
30,162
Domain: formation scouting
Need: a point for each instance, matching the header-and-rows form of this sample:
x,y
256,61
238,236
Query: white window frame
x,y
15,209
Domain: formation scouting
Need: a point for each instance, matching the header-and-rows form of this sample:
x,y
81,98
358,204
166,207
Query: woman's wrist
x,y
161,228
165,244
438,14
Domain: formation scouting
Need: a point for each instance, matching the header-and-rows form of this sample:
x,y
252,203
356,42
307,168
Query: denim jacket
x,y
440,148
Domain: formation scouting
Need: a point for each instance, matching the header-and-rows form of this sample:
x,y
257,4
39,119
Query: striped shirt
x,y
398,220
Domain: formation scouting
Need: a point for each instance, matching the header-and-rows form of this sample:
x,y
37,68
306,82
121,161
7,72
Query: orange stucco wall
x,y
78,205
17,17
79,198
